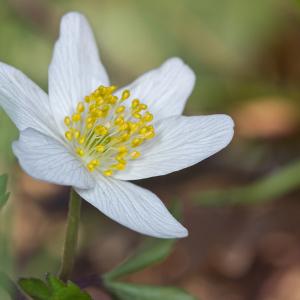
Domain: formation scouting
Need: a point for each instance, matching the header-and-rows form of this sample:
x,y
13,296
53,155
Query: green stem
x,y
69,251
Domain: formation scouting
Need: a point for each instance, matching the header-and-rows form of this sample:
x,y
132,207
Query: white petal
x,y
46,159
75,70
133,207
25,103
180,142
165,90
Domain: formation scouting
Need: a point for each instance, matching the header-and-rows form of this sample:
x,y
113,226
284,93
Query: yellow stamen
x,y
81,140
148,117
108,172
102,130
122,149
136,142
80,107
100,148
120,166
135,103
135,154
67,121
137,115
76,117
125,95
95,162
69,135
90,167
80,151
76,134
120,109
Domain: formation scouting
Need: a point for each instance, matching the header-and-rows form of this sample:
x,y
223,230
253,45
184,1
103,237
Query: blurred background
x,y
241,206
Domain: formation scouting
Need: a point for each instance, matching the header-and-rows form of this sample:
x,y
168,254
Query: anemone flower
x,y
90,135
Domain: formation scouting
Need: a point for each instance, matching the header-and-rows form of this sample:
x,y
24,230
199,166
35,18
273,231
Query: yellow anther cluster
x,y
105,131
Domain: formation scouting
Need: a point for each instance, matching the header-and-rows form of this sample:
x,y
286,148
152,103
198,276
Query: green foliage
x,y
35,288
3,193
266,189
52,289
151,252
128,291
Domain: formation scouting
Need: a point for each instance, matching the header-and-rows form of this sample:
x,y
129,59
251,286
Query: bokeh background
x,y
244,241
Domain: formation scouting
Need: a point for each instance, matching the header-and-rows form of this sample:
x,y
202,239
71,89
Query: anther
x,y
143,106
80,151
149,135
135,154
95,162
87,99
137,115
135,103
101,130
81,140
90,167
120,166
108,172
76,134
124,126
120,109
125,137
148,117
69,135
119,121
102,90
122,149
100,148
136,142
67,121
125,95
76,117
143,130
80,107
112,88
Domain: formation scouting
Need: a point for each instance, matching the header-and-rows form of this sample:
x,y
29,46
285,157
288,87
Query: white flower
x,y
87,135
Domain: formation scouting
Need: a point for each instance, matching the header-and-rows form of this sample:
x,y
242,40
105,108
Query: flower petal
x,y
46,159
25,103
75,70
133,207
165,90
180,142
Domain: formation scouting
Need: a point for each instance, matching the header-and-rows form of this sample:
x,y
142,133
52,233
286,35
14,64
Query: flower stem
x,y
71,238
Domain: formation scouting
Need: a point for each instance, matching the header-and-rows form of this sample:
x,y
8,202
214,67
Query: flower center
x,y
105,133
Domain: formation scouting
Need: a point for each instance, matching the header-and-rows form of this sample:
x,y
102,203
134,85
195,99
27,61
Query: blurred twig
x,y
268,188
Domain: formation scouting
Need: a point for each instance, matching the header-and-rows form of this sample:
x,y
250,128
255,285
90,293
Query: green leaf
x,y
3,193
268,188
52,289
35,288
54,283
126,291
70,292
151,251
